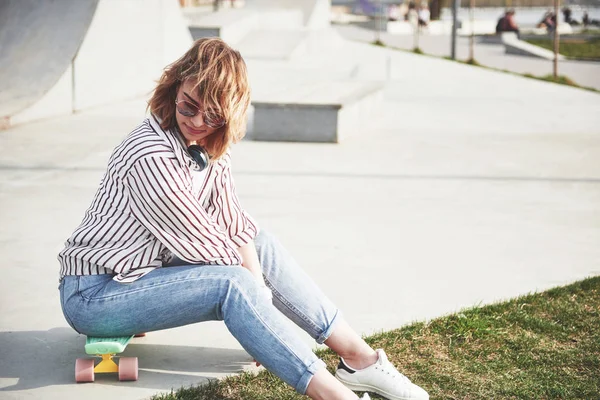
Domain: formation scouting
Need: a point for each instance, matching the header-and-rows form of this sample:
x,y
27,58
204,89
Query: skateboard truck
x,y
106,349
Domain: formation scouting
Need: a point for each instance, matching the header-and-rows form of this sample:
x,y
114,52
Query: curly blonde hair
x,y
221,80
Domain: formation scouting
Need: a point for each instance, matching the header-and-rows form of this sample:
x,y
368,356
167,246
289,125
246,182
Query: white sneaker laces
x,y
387,367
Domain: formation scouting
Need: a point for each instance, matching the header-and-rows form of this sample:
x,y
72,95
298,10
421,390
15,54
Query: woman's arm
x,y
251,262
224,207
160,199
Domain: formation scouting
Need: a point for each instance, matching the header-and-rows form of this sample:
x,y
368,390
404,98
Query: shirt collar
x,y
177,143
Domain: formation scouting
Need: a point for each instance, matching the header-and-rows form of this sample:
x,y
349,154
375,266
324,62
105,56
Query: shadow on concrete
x,y
351,175
47,358
424,177
47,168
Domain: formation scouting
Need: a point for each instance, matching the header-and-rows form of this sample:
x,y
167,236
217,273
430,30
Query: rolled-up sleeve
x,y
161,199
224,206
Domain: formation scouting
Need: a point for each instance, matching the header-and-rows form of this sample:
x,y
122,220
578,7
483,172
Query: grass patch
x,y
561,79
540,346
578,49
472,61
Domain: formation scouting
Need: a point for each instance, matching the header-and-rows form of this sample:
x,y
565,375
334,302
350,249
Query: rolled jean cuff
x,y
311,370
329,330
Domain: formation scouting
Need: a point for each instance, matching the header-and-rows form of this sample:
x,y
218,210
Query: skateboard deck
x,y
106,349
99,346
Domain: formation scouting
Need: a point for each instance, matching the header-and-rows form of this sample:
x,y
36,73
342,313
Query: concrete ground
x,y
471,186
584,73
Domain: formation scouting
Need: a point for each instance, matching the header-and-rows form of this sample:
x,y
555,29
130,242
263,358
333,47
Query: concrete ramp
x,y
269,45
230,25
513,45
316,13
64,56
39,40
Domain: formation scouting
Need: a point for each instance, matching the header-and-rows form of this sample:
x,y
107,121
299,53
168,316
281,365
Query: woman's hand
x,y
267,292
250,261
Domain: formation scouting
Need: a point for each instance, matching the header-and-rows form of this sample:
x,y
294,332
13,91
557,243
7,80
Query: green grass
x,y
540,346
582,49
561,79
472,61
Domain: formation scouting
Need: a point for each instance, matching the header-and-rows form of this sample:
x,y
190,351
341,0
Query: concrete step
x,y
303,46
313,14
316,111
231,25
278,18
273,44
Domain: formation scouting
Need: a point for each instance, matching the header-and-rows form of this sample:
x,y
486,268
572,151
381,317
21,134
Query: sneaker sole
x,y
368,388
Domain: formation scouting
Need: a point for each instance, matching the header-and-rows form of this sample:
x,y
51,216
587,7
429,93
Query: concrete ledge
x,y
325,112
230,25
273,44
440,27
512,45
400,28
295,14
489,39
479,27
280,19
407,28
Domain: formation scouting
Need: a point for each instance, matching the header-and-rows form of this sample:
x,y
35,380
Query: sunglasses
x,y
188,109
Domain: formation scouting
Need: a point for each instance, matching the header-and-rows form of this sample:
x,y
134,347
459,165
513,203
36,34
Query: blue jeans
x,y
96,305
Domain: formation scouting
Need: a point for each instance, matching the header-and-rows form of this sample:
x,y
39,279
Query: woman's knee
x,y
275,260
240,278
271,252
240,286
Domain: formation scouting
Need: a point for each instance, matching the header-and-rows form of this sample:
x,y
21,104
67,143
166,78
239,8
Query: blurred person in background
x,y
548,21
586,19
424,15
507,23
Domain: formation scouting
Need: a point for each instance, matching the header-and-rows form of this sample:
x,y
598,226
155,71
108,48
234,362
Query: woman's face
x,y
194,128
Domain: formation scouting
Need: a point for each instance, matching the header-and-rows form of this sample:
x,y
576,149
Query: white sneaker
x,y
381,378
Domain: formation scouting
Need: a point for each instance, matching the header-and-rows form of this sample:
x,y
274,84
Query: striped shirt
x,y
152,204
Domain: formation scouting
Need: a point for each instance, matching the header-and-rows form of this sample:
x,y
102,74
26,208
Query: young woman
x,y
166,242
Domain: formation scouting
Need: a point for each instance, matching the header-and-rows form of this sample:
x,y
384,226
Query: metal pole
x,y
472,40
454,27
556,39
378,12
73,91
416,33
